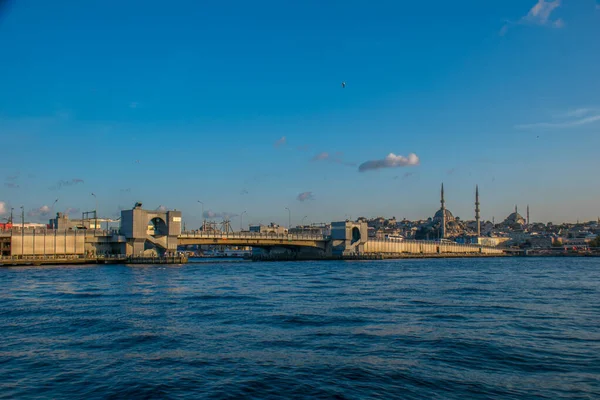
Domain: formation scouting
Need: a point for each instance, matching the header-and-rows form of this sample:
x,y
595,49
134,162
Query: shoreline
x,y
185,260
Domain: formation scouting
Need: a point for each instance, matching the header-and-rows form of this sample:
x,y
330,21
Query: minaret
x,y
527,214
477,210
516,211
443,226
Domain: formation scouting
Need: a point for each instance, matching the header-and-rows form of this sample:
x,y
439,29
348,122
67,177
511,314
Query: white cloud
x,y
578,112
390,161
280,142
539,14
573,118
321,156
304,196
3,208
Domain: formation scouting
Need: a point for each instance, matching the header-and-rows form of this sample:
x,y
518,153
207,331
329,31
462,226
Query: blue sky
x,y
171,103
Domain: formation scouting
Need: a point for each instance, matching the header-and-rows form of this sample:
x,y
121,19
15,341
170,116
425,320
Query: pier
x,y
80,260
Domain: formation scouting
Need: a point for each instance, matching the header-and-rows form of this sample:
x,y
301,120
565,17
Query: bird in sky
x,y
343,85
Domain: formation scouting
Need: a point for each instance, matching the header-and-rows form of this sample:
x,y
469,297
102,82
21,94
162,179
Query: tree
x,y
595,242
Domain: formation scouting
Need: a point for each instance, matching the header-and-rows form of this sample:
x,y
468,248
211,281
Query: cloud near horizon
x,y
39,212
222,215
390,161
3,208
305,196
71,210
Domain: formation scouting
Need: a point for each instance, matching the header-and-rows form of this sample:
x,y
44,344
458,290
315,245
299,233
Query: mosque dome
x,y
438,216
514,218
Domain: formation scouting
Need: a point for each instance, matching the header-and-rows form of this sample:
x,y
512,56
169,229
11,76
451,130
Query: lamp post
x,y
55,222
289,218
22,231
11,217
241,218
95,214
203,221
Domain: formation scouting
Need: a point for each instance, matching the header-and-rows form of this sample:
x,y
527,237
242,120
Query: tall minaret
x,y
477,210
516,211
443,226
527,214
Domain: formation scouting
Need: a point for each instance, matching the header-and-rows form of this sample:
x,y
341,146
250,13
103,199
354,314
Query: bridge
x,y
253,239
145,233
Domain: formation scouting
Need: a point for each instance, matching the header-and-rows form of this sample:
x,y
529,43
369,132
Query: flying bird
x,y
343,85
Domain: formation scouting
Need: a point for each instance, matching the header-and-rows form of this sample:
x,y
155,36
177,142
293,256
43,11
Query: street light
x,y
95,213
55,216
202,214
303,218
22,231
289,218
241,217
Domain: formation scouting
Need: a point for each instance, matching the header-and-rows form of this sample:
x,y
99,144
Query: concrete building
x,y
348,237
271,228
150,232
69,238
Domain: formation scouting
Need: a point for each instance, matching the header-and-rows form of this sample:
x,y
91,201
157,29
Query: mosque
x,y
445,221
444,224
515,220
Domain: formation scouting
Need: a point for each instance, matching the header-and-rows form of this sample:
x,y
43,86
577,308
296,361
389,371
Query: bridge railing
x,y
251,235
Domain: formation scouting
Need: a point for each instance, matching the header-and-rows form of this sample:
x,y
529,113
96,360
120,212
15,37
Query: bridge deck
x,y
254,239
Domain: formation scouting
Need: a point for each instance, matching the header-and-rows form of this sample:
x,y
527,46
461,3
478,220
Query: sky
x,y
241,106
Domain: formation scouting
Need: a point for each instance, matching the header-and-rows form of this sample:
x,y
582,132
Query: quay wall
x,y
382,246
47,244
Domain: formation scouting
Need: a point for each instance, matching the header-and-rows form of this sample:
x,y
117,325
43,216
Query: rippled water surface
x,y
413,329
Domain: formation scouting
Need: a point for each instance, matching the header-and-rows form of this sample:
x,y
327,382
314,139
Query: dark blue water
x,y
412,329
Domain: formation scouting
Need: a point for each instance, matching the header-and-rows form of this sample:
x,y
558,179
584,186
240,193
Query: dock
x,y
11,261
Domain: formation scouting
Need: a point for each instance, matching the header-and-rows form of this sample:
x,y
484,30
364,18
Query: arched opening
x,y
355,235
157,227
